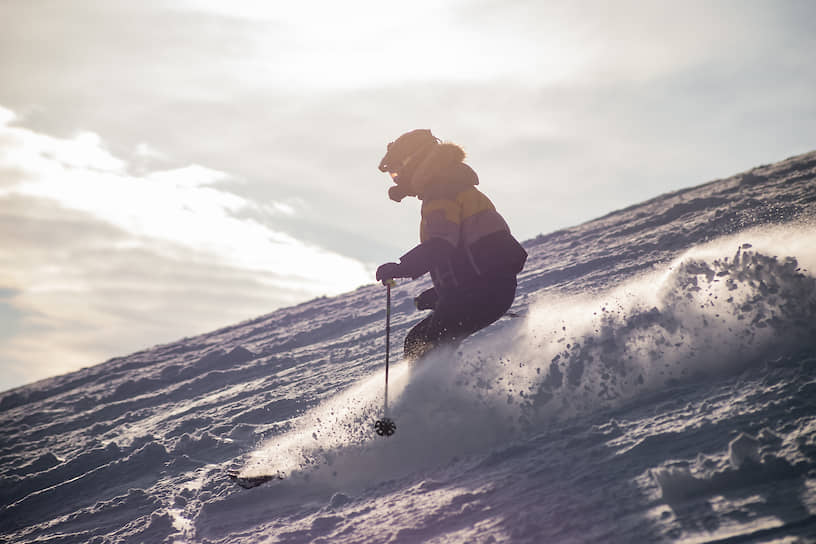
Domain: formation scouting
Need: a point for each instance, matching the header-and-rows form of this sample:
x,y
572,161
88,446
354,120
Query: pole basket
x,y
385,426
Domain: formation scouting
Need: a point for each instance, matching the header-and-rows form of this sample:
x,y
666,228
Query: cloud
x,y
146,151
86,291
180,206
96,262
596,104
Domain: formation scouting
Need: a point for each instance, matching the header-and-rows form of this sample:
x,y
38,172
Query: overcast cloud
x,y
170,167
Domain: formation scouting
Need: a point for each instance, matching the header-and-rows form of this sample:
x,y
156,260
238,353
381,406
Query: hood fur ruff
x,y
440,167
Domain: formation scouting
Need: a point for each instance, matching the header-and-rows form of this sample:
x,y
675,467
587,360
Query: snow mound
x,y
749,461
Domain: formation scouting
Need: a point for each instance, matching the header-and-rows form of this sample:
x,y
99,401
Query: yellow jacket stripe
x,y
462,220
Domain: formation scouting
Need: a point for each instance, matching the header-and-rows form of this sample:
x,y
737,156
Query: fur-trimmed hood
x,y
443,170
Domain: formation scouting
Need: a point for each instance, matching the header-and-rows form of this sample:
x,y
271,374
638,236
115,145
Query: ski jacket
x,y
464,242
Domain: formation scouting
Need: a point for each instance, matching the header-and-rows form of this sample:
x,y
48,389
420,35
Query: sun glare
x,y
328,45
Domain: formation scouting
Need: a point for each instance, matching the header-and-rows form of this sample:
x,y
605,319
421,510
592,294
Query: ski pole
x,y
388,285
386,426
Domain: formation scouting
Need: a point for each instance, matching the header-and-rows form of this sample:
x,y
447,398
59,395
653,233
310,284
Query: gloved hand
x,y
426,300
388,271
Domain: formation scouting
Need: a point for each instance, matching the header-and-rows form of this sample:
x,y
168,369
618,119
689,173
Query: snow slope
x,y
660,386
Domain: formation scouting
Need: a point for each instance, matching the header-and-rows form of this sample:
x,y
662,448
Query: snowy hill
x,y
659,386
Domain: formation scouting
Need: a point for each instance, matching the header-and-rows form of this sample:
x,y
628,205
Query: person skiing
x,y
465,244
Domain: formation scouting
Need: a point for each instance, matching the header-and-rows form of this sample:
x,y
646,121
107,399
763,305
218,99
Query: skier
x,y
464,243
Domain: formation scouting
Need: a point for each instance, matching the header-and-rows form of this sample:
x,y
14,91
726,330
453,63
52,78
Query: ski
x,y
248,482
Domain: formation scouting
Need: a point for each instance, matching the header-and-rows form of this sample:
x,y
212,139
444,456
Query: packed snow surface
x,y
658,384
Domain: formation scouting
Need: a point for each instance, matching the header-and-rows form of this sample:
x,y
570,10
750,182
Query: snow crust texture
x,y
657,385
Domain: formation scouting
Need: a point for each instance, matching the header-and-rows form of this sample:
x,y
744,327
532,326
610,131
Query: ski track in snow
x,y
660,386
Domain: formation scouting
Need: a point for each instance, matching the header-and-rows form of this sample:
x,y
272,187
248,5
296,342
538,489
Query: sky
x,y
171,167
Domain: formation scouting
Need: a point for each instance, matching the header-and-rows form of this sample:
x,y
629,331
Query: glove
x,y
388,271
426,300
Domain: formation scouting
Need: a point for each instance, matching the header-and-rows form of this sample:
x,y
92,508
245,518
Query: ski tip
x,y
248,482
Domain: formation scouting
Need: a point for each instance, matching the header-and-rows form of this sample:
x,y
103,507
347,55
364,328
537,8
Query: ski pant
x,y
458,315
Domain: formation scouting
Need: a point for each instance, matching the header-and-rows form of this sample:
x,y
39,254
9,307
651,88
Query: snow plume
x,y
346,420
717,310
438,418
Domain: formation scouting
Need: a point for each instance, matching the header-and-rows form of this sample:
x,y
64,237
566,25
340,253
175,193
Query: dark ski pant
x,y
459,315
